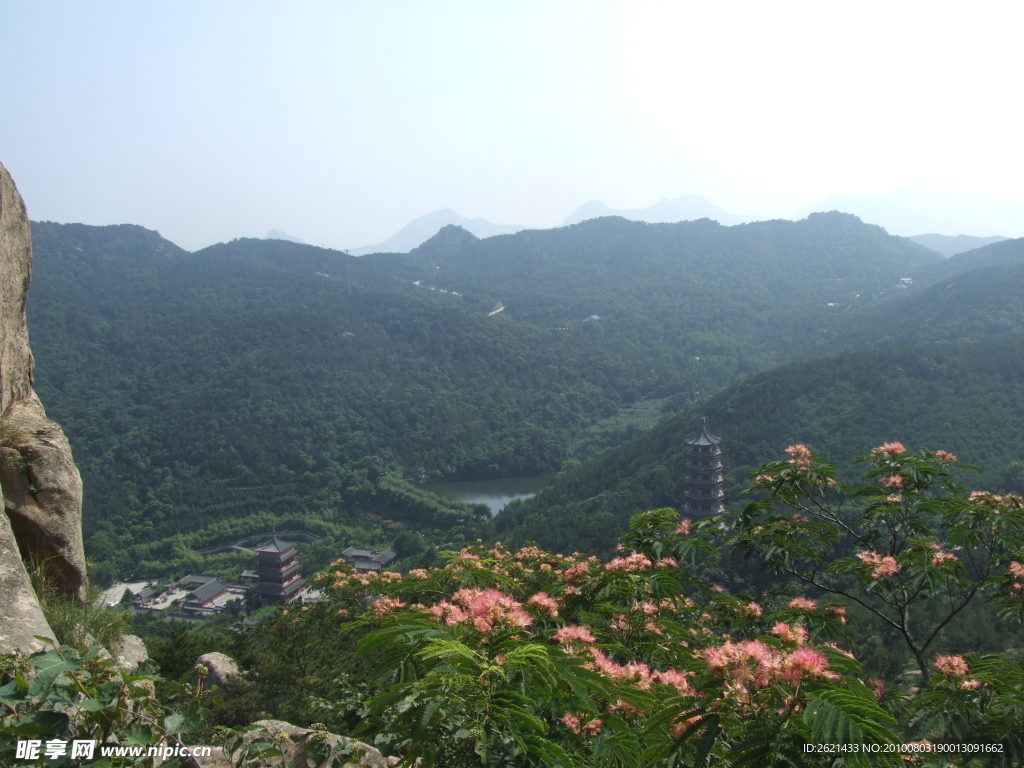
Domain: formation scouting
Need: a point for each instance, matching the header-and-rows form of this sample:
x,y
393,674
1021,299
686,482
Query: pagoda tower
x,y
704,484
278,571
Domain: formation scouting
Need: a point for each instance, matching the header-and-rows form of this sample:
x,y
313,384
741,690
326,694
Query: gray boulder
x,y
131,654
221,669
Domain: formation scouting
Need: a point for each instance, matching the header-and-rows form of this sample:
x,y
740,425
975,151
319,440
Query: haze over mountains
x,y
910,211
903,212
425,227
950,246
684,208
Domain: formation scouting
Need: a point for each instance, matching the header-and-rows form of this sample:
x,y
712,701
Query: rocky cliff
x,y
39,483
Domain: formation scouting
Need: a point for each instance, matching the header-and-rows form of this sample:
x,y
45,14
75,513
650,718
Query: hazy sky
x,y
339,122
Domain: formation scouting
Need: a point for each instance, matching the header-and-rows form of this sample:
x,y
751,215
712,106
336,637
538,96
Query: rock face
x,y
132,653
21,618
41,487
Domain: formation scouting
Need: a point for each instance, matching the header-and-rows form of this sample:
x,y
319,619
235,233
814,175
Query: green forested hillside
x,y
740,299
966,398
973,305
1005,252
246,382
209,394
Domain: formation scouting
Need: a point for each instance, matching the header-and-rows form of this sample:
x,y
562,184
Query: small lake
x,y
494,493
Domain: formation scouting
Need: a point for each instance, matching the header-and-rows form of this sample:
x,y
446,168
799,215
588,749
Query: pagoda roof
x,y
275,545
704,437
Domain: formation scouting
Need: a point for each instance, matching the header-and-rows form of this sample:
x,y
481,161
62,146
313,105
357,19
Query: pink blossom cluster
x,y
1016,571
684,528
577,572
637,673
675,679
647,607
752,662
803,604
543,602
385,605
667,562
571,635
800,456
888,451
986,498
789,633
484,609
420,574
945,456
634,563
751,609
883,565
763,481
531,552
951,666
939,557
891,481
588,729
805,662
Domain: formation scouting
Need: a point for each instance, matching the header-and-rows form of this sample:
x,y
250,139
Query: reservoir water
x,y
494,493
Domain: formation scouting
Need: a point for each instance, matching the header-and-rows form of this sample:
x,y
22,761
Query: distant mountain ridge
x,y
950,245
665,211
277,234
418,231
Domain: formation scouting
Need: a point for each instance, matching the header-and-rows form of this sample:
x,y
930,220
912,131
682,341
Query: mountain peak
x,y
418,231
448,240
277,234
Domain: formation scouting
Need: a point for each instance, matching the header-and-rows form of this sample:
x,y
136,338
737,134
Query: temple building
x,y
278,571
364,559
704,484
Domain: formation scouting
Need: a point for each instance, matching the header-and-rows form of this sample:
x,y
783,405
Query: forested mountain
x,y
1003,252
245,385
965,398
973,305
245,381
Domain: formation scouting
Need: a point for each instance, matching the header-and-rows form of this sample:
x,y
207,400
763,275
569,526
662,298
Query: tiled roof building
x,y
364,559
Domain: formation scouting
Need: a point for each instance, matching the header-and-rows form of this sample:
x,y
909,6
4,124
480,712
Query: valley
x,y
212,393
